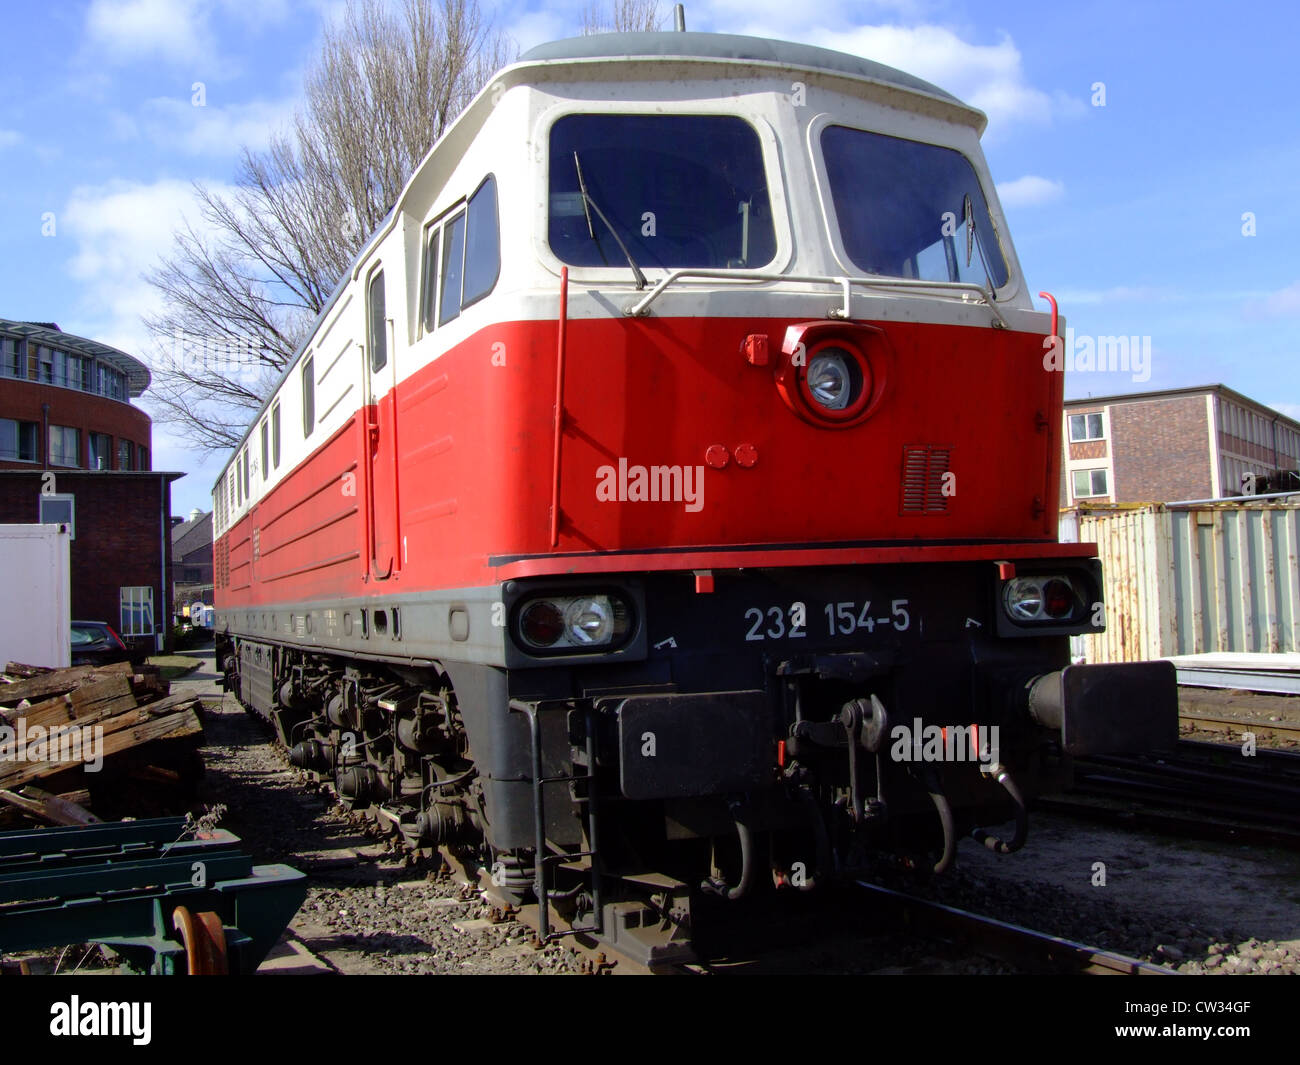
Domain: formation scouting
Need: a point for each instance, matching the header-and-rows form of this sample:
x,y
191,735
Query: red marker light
x,y
1058,599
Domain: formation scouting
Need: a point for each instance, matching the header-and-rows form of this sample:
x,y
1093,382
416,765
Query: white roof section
x,y
137,373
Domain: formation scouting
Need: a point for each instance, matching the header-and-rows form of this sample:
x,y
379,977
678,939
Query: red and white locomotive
x,y
666,499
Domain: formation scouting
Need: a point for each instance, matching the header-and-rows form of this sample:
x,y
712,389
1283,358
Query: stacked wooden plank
x,y
108,739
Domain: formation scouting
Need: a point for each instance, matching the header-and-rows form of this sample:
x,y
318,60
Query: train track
x,y
1023,948
1221,723
1026,949
1202,790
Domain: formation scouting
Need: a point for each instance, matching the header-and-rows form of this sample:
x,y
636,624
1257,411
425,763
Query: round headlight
x,y
590,620
541,623
829,381
1024,599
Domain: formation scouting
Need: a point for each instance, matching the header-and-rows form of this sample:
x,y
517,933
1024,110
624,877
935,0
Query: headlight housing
x,y
559,623
836,383
1051,599
829,382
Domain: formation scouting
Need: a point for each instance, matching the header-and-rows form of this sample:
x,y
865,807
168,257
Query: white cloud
x,y
121,230
539,27
1285,302
987,76
1029,191
208,130
175,31
724,16
894,32
9,137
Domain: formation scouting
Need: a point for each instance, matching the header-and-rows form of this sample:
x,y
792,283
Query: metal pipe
x,y
887,284
718,886
164,549
820,834
1022,818
539,827
559,406
593,843
944,809
1045,700
1231,499
679,18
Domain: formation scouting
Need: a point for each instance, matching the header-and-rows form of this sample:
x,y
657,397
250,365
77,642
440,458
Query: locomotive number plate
x,y
796,620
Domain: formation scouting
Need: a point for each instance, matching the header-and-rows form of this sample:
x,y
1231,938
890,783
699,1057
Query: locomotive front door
x,y
381,503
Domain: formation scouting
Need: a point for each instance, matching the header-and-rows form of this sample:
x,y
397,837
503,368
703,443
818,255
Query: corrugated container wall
x,y
1193,578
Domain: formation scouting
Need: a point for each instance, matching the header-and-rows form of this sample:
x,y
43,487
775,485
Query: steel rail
x,y
1013,943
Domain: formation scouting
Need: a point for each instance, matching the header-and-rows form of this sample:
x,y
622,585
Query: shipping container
x,y
1192,578
36,575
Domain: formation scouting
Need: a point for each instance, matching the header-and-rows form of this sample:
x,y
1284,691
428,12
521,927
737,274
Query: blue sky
x,y
1131,213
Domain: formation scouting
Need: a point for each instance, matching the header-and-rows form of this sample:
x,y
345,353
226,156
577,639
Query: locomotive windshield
x,y
678,190
912,210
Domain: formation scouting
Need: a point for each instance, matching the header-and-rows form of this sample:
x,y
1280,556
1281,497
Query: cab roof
x,y
726,46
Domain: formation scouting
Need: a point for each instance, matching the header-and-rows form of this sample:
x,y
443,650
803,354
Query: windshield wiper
x,y
972,244
587,201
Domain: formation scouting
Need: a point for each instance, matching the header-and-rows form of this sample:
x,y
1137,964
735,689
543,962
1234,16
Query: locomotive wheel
x,y
205,942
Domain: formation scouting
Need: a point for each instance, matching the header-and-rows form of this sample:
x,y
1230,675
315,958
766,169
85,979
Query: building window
x,y
125,454
275,436
1086,427
143,454
10,362
65,446
18,440
308,398
137,611
101,451
1089,483
57,509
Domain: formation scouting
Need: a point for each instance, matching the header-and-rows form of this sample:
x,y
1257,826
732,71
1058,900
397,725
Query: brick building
x,y
192,560
65,402
1183,443
75,451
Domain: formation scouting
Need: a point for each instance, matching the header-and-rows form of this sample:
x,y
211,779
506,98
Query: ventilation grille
x,y
924,467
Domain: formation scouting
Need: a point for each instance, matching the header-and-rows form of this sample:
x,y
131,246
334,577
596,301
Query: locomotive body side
x,y
696,598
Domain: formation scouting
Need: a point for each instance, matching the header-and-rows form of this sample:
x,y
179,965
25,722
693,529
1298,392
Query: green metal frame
x,y
119,883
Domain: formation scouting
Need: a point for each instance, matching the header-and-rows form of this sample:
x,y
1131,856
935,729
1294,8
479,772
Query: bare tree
x,y
241,289
623,16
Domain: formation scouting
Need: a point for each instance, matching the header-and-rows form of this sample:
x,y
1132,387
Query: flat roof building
x,y
1207,442
74,450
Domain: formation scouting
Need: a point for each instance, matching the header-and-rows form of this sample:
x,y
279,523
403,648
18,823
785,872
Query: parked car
x,y
96,643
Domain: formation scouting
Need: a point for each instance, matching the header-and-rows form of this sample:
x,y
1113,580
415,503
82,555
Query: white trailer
x,y
36,578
